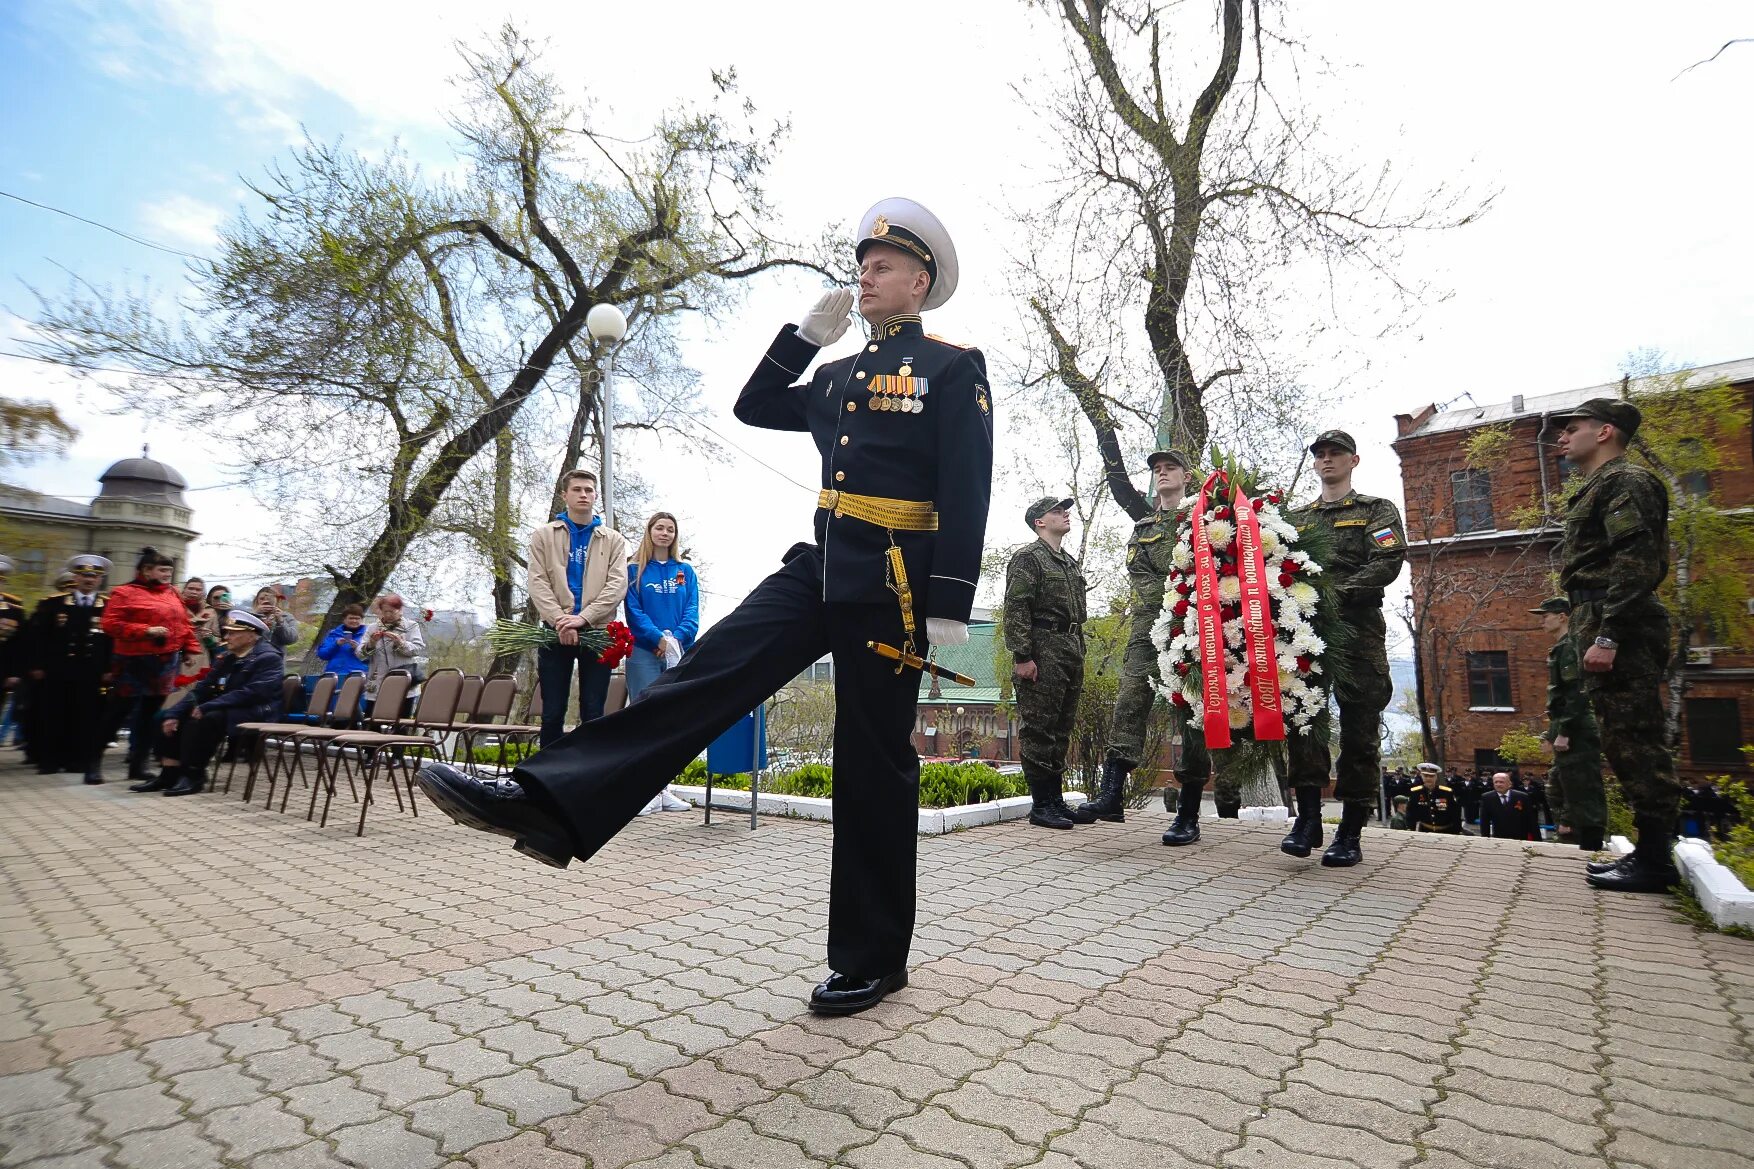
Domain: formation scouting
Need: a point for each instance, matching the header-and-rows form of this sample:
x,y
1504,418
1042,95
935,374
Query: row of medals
x,y
902,403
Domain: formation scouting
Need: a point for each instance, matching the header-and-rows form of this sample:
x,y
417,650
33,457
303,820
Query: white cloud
x,y
182,220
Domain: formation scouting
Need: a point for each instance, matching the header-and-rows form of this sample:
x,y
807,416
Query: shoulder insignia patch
x,y
946,341
1385,538
980,397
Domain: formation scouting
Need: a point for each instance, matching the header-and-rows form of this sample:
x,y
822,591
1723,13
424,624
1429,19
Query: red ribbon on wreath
x,y
1256,612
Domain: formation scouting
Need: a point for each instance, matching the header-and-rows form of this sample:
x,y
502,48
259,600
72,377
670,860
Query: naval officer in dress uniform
x,y
904,430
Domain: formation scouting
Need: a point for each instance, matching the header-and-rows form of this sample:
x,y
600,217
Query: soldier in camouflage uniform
x,y
1368,548
1574,783
1616,553
1044,630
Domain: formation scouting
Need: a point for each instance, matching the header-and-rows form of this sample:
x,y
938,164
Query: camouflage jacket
x,y
1617,540
1568,705
1369,543
1040,585
1148,554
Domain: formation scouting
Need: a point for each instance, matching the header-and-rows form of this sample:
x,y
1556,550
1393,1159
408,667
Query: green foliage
x,y
1522,745
1620,822
1487,446
514,753
946,785
1736,851
694,773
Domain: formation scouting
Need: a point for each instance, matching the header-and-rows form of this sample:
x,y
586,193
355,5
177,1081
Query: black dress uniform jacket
x,y
942,453
63,640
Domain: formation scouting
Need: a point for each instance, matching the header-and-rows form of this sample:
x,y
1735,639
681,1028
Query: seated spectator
x,y
270,606
340,650
243,686
396,642
1508,813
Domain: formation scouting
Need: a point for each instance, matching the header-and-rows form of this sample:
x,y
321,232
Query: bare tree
x,y
1194,184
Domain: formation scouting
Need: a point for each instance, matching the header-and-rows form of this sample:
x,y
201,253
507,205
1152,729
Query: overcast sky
x,y
1620,221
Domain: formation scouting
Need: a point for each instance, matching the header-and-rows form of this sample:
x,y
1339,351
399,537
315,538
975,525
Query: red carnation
x,y
1304,663
1184,588
1178,698
1228,568
1258,503
1285,579
1291,566
1180,609
1182,668
620,644
1275,497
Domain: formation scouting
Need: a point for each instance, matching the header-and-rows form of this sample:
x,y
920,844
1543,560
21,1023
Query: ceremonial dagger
x,y
919,663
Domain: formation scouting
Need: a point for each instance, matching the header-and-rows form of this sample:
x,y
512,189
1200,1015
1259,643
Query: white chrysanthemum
x,y
1270,542
1239,717
1229,590
1219,533
1307,642
1162,627
1305,595
1183,556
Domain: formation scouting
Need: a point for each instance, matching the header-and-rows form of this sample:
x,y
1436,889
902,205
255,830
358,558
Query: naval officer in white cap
x,y
904,430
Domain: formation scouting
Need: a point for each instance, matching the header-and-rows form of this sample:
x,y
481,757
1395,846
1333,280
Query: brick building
x,y
1483,534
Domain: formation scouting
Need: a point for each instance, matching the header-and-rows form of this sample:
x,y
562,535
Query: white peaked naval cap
x,y
903,223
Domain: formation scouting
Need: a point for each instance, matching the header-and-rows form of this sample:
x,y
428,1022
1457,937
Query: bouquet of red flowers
x,y
611,644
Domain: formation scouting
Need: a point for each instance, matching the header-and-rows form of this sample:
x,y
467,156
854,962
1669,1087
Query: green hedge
x,y
514,753
942,785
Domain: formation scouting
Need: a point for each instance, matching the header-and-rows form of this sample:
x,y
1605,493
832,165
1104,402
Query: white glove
x,y
941,631
827,322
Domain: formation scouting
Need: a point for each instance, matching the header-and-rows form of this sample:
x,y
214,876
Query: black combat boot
x,y
1108,804
1044,811
1588,839
1652,868
1079,815
1609,866
1345,851
191,784
1185,828
1229,809
167,778
1306,831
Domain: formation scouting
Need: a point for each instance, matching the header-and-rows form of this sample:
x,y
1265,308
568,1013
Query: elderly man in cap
x,y
1367,546
243,686
1575,792
1044,631
68,655
904,431
1433,805
1615,554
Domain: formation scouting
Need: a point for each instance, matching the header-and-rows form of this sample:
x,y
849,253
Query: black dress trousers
x,y
598,777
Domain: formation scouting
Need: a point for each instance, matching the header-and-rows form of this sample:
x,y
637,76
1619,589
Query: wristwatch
x,y
1607,643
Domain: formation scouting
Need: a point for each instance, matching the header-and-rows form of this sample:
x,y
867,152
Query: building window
x,y
1489,680
1472,492
1695,483
1714,731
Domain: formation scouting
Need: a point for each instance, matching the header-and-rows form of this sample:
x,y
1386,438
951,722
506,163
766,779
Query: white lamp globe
x,y
605,322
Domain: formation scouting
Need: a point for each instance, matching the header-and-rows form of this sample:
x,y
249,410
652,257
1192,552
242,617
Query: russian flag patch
x,y
1384,537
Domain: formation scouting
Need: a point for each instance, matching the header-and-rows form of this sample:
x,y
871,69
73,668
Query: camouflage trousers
x,y
1133,701
1196,762
1362,690
1048,706
1575,792
1629,709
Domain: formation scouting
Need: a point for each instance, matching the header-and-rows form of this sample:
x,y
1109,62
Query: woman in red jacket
x,y
149,628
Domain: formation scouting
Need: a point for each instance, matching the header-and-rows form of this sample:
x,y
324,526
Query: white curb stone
x,y
933,821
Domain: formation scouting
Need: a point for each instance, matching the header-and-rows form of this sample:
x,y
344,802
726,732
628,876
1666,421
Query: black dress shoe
x,y
1619,862
189,785
94,776
500,806
165,780
1641,876
844,995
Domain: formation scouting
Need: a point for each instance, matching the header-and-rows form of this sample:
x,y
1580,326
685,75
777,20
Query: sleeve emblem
x,y
980,397
1385,538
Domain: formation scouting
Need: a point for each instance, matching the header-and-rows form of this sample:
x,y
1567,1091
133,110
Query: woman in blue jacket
x,y
340,649
663,605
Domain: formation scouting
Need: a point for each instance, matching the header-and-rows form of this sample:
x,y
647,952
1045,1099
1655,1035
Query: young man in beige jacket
x,y
578,575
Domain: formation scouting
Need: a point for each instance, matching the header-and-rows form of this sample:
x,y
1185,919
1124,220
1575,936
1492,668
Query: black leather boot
x,y
1185,828
1345,851
1652,868
1229,809
166,779
1306,831
1044,811
1608,866
1108,804
191,784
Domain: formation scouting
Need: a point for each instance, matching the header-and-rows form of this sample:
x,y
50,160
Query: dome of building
x,y
145,479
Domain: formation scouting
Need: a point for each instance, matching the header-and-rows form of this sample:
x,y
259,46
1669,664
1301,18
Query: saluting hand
x,y
827,322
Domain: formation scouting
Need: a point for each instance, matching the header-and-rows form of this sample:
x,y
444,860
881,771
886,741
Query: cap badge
x,y
880,226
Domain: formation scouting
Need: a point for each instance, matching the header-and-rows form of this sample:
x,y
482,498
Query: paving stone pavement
x,y
199,982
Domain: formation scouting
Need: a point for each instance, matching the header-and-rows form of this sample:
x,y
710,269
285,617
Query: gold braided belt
x,y
892,515
902,515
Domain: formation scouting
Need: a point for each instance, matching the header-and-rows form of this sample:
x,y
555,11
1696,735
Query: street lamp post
x,y
605,322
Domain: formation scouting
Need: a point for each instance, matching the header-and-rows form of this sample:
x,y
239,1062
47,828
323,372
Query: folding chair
x,y
496,701
385,710
428,727
262,731
469,698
